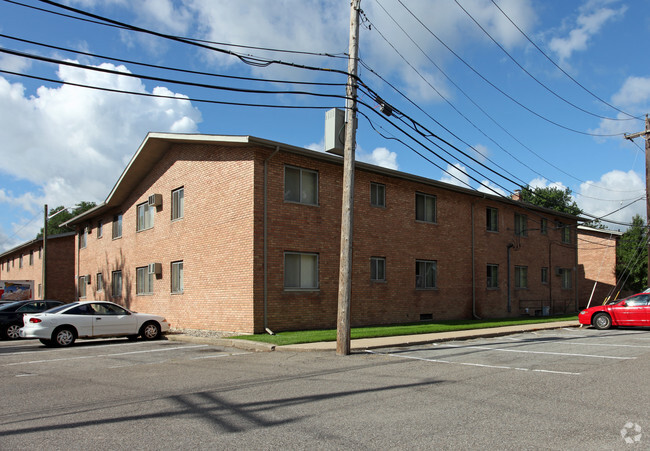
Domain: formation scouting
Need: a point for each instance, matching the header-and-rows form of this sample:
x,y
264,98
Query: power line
x,y
469,66
532,76
560,68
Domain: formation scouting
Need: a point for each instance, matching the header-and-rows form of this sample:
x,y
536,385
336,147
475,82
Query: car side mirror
x,y
623,304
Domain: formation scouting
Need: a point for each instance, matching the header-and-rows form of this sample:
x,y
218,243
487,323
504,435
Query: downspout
x,y
473,269
510,246
575,272
266,263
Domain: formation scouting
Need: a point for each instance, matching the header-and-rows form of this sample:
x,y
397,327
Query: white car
x,y
62,325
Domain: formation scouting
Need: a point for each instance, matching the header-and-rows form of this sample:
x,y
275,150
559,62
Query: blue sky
x,y
507,114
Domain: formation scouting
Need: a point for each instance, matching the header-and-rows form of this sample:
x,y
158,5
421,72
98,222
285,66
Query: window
x,y
566,279
178,203
39,252
177,277
145,216
492,219
117,226
426,274
543,226
566,233
143,281
31,258
377,195
521,225
116,284
300,185
378,269
83,237
425,207
20,261
544,275
300,271
100,282
100,229
40,290
521,276
81,280
492,276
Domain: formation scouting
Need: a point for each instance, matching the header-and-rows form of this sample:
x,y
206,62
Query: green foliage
x,y
551,197
632,256
53,224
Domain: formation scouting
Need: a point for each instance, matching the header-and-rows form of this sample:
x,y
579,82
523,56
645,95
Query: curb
x,y
247,345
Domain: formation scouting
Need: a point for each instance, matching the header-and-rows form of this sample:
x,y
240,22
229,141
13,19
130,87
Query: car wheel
x,y
63,336
602,321
45,341
150,331
12,331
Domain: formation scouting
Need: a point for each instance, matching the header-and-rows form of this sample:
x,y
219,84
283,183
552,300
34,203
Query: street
x,y
556,389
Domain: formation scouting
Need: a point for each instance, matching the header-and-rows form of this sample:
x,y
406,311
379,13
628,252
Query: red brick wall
x,y
597,263
60,267
221,242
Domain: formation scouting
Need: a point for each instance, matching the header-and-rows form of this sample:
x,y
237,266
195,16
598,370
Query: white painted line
x,y
569,342
104,355
216,356
25,375
485,348
481,365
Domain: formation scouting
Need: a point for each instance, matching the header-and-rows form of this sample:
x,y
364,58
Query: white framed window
x,y
146,214
178,203
81,281
143,281
425,207
521,225
99,284
521,276
492,276
377,195
117,226
426,274
31,258
300,185
378,269
83,237
491,219
116,284
566,233
300,271
20,261
177,277
543,226
544,276
100,229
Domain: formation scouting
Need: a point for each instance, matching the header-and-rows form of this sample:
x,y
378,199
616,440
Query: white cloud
x,y
634,98
614,190
592,17
72,142
540,182
456,175
489,188
380,157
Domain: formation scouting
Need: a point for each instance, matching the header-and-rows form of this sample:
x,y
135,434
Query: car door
x,y
111,320
81,317
633,313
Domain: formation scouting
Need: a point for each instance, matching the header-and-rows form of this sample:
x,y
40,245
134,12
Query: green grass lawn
x,y
310,336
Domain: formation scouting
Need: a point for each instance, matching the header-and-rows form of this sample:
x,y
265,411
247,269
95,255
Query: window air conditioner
x,y
155,268
558,271
88,279
155,200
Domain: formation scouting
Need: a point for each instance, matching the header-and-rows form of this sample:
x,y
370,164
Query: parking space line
x,y
103,355
481,365
569,342
216,356
486,348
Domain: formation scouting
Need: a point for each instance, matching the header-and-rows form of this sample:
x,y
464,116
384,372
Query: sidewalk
x,y
381,342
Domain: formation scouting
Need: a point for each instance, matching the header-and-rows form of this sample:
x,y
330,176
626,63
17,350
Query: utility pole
x,y
44,254
347,209
646,135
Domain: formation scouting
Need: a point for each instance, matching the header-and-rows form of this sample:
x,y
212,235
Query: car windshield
x,y
60,307
10,306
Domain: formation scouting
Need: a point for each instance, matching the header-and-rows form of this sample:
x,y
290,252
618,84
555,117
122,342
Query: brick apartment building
x,y
25,262
596,264
237,233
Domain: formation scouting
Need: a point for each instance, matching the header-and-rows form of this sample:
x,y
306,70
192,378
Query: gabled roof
x,y
155,145
34,241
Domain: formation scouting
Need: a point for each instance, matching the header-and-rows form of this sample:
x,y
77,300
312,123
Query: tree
x,y
53,224
551,197
632,256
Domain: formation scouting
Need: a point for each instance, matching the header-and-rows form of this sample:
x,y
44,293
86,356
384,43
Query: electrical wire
x,y
560,68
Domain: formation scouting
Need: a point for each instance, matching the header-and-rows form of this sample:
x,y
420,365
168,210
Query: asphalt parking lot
x,y
555,389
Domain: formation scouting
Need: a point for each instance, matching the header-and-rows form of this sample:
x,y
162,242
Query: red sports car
x,y
631,311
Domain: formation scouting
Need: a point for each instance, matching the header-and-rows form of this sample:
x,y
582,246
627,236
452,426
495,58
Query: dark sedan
x,y
11,315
